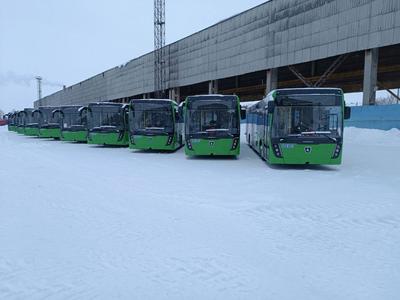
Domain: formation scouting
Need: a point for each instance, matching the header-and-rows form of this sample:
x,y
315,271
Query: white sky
x,y
68,41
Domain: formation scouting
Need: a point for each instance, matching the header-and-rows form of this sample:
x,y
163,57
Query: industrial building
x,y
351,44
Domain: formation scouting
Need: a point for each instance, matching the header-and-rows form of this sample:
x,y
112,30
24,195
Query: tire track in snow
x,y
319,215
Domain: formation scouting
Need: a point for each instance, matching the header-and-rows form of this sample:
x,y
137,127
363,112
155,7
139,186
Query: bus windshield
x,y
152,118
47,119
213,117
300,121
34,118
72,120
106,118
28,118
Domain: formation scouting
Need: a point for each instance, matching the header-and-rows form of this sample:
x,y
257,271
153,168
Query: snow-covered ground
x,y
82,222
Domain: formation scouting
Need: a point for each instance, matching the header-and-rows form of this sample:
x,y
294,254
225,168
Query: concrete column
x,y
272,80
176,94
370,76
213,87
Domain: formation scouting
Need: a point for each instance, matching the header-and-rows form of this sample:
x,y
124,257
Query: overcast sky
x,y
68,41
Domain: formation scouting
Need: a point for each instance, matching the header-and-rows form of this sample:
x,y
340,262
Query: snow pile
x,y
81,222
372,136
247,104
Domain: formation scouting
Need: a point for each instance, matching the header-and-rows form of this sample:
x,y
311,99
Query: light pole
x,y
39,86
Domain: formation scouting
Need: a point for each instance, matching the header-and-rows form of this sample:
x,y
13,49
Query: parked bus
x,y
4,120
107,124
73,120
212,125
9,121
31,122
20,122
154,125
298,126
49,123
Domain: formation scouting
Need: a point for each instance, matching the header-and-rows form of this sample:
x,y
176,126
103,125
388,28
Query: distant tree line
x,y
390,99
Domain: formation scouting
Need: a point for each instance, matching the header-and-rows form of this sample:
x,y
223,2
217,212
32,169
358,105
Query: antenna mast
x,y
159,52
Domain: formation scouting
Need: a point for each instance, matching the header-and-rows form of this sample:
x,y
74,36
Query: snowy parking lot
x,y
82,222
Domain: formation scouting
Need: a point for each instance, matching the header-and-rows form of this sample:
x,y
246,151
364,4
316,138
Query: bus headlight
x,y
170,139
337,151
277,150
189,144
235,143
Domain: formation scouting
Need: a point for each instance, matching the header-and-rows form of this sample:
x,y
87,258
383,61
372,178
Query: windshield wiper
x,y
323,133
155,128
224,130
216,130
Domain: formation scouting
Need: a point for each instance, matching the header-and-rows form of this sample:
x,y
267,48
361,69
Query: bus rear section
x,y
49,122
300,126
107,124
212,125
153,125
73,123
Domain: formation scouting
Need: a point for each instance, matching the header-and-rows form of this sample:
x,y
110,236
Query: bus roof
x,y
106,104
309,90
153,101
210,96
71,106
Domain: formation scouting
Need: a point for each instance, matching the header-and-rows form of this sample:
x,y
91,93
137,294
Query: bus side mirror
x,y
347,112
242,113
271,107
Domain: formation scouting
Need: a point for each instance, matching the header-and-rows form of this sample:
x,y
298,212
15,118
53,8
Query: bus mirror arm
x,y
242,113
82,110
57,111
271,107
347,112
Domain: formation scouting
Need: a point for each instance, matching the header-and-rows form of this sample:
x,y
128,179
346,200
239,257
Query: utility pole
x,y
39,86
159,52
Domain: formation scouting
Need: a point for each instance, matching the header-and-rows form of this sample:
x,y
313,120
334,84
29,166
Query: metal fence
x,y
383,117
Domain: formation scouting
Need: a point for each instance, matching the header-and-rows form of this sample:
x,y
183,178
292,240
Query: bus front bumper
x,y
160,142
74,136
32,131
211,147
49,133
305,154
108,138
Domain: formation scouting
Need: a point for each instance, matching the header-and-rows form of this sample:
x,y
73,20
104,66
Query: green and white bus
x,y
212,125
154,125
20,122
49,123
107,124
12,121
31,122
73,123
298,126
